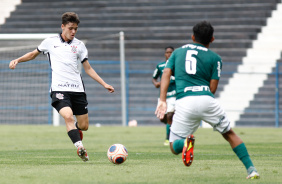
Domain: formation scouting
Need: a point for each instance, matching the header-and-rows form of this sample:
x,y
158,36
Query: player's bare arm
x,y
156,83
27,57
91,72
165,83
161,108
213,85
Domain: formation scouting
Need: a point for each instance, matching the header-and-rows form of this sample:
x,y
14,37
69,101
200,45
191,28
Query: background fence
x,y
25,94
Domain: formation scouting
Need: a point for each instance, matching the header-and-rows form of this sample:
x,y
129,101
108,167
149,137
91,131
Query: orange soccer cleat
x,y
187,152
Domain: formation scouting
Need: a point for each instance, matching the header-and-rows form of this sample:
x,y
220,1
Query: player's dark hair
x,y
203,32
170,47
70,17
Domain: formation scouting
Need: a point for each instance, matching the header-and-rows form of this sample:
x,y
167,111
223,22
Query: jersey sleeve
x,y
217,69
83,53
43,47
157,72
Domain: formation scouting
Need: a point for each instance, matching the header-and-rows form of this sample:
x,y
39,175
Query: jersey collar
x,y
198,44
63,41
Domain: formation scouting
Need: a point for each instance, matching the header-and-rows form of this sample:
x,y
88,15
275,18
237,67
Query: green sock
x,y
178,145
167,131
243,155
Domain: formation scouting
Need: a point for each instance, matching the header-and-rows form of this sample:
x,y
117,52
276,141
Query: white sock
x,y
78,143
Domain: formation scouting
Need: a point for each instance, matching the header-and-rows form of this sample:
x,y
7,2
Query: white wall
x,y
261,59
6,7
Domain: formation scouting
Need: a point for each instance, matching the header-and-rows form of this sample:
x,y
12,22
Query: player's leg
x,y
164,120
67,114
241,151
82,124
169,117
169,114
183,145
79,107
216,117
185,123
232,138
62,103
170,109
73,132
176,143
79,130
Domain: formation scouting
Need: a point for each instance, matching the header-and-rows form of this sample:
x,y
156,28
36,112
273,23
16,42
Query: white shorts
x,y
191,110
170,103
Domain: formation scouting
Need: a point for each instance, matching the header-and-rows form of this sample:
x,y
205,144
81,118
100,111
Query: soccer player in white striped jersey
x,y
68,95
197,72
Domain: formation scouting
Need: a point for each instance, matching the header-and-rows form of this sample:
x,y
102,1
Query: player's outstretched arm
x,y
213,85
27,57
161,108
156,83
91,72
165,83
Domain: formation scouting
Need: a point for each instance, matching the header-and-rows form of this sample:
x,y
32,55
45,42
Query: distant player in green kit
x,y
197,72
171,93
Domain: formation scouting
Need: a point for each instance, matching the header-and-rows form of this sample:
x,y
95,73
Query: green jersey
x,y
171,92
193,66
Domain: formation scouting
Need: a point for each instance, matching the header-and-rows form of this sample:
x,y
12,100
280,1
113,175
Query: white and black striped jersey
x,y
64,58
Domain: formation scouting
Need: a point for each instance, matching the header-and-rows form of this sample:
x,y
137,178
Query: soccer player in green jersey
x,y
197,72
171,93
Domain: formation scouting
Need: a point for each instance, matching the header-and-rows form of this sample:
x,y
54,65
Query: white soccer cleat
x,y
253,175
81,152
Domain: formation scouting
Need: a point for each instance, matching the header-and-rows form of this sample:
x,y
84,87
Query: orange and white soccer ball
x,y
117,153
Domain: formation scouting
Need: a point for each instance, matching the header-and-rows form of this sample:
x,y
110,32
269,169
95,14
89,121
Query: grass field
x,y
45,154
